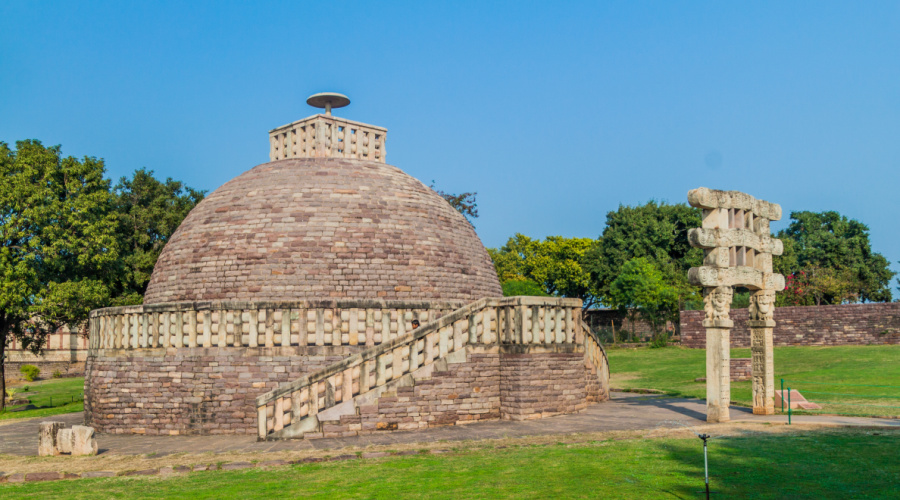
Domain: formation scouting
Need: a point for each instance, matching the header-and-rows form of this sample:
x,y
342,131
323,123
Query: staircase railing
x,y
596,354
512,320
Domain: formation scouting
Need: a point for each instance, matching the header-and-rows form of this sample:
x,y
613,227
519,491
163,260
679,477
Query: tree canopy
x,y
57,242
828,259
656,232
463,203
554,265
642,290
148,213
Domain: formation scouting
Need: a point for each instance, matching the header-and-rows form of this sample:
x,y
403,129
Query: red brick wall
x,y
849,324
741,369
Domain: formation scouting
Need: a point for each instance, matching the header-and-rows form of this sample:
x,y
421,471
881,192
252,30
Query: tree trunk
x,y
2,370
633,320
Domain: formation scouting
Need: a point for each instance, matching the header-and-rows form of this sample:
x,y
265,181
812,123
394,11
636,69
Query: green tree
x,y
149,211
57,242
555,264
641,290
509,260
463,203
519,287
654,231
836,256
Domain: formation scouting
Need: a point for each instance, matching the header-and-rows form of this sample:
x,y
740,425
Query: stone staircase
x,y
449,371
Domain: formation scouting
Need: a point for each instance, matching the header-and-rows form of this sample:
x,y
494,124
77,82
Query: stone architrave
x,y
47,440
739,249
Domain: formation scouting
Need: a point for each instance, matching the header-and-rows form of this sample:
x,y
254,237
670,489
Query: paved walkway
x,y
624,412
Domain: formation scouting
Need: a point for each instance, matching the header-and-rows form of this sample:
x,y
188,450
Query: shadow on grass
x,y
822,464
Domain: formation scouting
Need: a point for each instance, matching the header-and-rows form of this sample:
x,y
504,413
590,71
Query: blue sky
x,y
554,112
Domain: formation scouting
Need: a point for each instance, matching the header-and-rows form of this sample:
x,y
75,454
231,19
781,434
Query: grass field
x,y
51,397
807,369
810,464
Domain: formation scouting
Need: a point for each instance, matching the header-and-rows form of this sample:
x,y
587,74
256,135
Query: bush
x,y
605,335
661,340
57,374
30,372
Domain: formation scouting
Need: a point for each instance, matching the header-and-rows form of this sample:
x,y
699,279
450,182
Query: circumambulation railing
x,y
259,324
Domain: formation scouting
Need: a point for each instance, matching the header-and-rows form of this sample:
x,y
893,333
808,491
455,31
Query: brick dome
x,y
323,228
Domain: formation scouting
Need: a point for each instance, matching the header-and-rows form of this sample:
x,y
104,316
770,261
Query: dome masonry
x,y
327,218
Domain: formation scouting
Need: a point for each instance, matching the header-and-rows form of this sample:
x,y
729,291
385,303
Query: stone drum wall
x,y
191,391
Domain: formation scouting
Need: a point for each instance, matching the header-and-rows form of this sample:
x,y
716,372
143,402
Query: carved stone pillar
x,y
762,325
718,325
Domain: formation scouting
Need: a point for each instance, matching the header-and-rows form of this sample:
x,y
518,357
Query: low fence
x,y
259,324
847,324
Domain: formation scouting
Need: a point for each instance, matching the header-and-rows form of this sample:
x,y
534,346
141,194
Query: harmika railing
x,y
514,320
322,136
259,324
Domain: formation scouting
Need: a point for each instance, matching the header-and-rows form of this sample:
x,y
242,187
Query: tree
x,y
554,264
654,231
517,287
57,242
463,203
641,289
837,260
149,211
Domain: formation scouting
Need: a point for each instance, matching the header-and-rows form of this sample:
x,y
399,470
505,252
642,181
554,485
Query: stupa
x,y
325,263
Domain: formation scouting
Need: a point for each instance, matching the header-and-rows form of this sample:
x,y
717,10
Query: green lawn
x,y
673,370
52,397
811,464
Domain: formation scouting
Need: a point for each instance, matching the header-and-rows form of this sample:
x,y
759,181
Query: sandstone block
x,y
48,434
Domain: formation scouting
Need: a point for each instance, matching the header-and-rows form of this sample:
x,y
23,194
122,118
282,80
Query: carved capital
x,y
762,305
717,304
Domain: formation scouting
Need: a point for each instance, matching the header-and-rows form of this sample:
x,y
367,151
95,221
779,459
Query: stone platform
x,y
624,411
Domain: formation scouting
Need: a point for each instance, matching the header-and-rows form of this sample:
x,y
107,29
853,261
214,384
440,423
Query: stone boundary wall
x,y
848,324
64,351
65,368
191,390
741,369
609,319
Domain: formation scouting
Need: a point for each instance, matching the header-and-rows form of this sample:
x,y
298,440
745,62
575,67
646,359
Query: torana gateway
x,y
326,293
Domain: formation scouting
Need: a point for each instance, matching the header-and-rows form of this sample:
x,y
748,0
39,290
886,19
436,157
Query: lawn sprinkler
x,y
704,437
